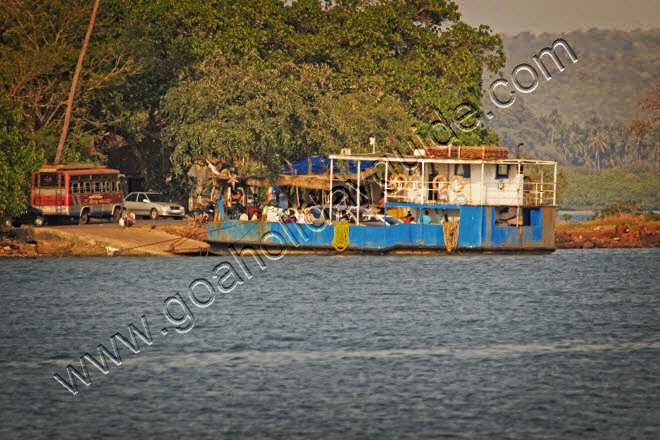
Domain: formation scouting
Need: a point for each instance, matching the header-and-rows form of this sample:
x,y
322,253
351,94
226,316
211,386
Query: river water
x,y
556,346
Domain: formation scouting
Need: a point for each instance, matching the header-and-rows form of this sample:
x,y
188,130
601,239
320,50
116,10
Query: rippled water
x,y
491,347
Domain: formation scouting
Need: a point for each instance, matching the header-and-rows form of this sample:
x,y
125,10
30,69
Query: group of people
x,y
277,209
425,219
273,212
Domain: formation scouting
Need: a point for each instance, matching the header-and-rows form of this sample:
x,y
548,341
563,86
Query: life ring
x,y
440,183
457,183
415,181
395,183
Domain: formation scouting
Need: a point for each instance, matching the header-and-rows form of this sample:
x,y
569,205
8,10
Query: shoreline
x,y
170,240
622,231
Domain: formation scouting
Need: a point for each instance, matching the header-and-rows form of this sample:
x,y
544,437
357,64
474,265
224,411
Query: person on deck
x,y
284,203
274,213
300,216
219,213
426,218
289,216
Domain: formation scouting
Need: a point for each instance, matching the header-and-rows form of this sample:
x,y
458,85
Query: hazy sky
x,y
537,16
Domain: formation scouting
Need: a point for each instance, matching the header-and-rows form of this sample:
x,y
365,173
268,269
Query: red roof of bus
x,y
82,170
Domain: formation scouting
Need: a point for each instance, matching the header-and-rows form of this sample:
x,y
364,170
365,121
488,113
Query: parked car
x,y
32,216
153,205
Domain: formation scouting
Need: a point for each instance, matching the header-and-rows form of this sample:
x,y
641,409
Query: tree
x,y
18,159
599,145
648,125
310,78
40,41
243,115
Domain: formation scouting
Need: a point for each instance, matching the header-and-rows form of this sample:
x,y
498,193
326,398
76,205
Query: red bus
x,y
64,191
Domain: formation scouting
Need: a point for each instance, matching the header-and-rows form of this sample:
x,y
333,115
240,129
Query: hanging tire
x,y
395,183
153,214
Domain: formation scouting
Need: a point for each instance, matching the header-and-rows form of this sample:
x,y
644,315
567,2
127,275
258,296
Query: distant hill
x,y
562,116
614,69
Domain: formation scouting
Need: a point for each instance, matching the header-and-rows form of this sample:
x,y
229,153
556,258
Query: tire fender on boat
x,y
457,184
440,183
395,183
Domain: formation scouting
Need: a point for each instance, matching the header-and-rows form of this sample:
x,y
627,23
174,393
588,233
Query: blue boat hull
x,y
477,231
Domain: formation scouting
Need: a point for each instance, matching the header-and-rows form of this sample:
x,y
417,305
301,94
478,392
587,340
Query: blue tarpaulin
x,y
321,164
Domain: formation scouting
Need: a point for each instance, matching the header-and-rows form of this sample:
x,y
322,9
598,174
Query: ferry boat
x,y
442,199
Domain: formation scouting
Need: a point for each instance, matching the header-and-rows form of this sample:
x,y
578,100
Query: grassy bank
x,y
593,189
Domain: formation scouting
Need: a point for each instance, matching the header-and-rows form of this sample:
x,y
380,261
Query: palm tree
x,y
599,144
648,123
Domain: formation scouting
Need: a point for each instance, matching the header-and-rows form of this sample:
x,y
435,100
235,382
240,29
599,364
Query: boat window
x,y
502,171
512,216
463,170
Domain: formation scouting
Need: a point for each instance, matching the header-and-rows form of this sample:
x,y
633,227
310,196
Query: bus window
x,y
97,187
75,188
47,179
87,187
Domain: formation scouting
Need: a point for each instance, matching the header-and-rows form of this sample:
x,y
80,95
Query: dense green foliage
x,y
252,82
40,41
308,79
18,159
590,189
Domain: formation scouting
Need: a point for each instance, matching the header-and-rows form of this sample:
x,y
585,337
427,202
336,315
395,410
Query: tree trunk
x,y
74,84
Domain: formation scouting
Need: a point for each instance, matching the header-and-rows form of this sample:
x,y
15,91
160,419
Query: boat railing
x,y
413,189
538,193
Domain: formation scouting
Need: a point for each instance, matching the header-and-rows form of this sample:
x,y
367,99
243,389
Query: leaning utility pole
x,y
74,84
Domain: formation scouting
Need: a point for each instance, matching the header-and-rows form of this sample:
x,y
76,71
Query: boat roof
x,y
421,157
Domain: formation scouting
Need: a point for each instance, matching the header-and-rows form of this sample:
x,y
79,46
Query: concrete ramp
x,y
108,239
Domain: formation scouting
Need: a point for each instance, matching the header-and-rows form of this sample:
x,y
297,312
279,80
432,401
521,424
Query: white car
x,y
153,205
